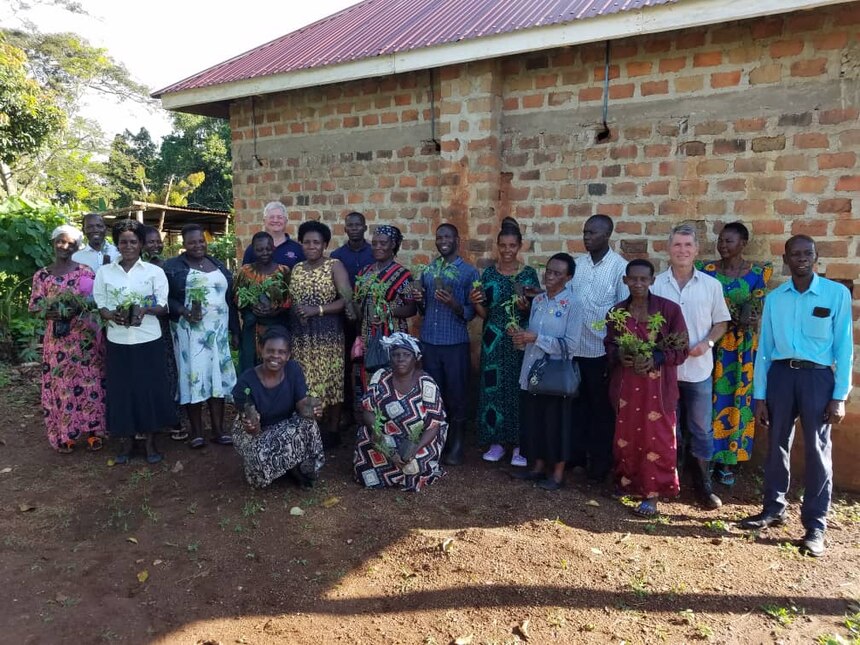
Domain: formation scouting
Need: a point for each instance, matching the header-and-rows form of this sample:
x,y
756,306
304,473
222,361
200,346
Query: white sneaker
x,y
495,453
518,460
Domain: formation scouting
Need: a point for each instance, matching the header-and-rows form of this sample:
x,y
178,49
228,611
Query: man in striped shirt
x,y
598,282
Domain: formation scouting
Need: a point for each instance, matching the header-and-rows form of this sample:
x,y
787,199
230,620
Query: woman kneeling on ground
x,y
404,422
276,430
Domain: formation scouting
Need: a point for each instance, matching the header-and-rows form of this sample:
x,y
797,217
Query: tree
x,y
133,158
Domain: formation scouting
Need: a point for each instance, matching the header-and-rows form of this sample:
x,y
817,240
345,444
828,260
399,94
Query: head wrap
x,y
391,232
69,231
400,339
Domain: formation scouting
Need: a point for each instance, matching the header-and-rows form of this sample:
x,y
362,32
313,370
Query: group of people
x,y
606,366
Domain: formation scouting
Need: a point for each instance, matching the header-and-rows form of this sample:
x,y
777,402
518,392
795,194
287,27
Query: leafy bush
x,y
25,247
223,247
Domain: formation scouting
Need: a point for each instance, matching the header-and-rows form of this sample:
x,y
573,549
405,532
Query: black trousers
x,y
449,365
594,419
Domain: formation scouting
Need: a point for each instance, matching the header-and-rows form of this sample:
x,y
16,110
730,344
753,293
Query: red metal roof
x,y
380,27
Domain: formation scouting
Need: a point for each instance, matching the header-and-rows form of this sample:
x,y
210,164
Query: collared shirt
x,y
95,259
354,261
144,280
289,252
441,325
556,321
704,306
599,287
811,326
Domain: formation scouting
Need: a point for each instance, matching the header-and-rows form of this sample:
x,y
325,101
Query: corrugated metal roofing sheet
x,y
379,27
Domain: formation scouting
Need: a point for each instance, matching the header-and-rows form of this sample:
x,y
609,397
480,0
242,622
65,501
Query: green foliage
x,y
273,287
25,244
223,247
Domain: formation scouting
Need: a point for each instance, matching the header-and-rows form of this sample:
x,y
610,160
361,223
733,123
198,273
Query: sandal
x,y
94,444
178,435
724,476
223,440
647,508
66,447
197,442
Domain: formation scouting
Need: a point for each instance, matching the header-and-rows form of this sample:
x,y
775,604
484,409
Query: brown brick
x,y
809,227
657,150
638,68
733,185
832,117
532,101
590,94
837,160
544,81
848,14
674,207
766,74
750,125
559,98
351,122
684,84
623,91
783,48
644,209
807,68
832,40
710,127
837,205
766,27
747,53
751,207
729,146
850,138
712,167
804,119
804,21
708,59
634,246
623,152
551,210
656,188
849,183
769,184
831,249
638,169
575,76
810,184
674,168
671,65
706,207
750,164
768,227
768,144
725,79
690,39
847,227
658,44
600,72
632,228
624,188
811,140
650,88
692,187
790,207
792,162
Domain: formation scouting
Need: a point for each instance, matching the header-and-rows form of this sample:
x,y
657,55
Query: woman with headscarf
x,y
72,351
404,428
383,291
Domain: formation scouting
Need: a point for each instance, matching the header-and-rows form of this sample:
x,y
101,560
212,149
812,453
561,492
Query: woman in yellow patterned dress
x,y
319,291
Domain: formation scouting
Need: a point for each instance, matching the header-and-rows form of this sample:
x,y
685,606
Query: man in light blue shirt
x,y
802,370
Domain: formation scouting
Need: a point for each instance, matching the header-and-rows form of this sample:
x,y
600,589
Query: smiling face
x,y
64,246
382,247
683,250
730,244
153,245
508,247
275,354
555,276
313,245
94,229
447,241
638,279
264,248
402,361
801,257
355,228
129,246
195,244
275,221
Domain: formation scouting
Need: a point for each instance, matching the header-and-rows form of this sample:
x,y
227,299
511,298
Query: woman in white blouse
x,y
130,295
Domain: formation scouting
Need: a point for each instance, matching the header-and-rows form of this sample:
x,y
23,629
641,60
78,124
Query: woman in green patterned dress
x,y
502,302
319,291
744,287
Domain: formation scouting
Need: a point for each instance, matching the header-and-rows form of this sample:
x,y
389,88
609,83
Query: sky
x,y
163,41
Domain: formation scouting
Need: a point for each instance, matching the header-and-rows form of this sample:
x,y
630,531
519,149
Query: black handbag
x,y
375,355
555,376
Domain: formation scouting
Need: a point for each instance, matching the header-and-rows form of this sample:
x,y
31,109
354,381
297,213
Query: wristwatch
x,y
710,343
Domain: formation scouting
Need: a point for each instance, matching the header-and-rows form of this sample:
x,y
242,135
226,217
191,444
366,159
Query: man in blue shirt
x,y
443,300
287,251
802,370
356,253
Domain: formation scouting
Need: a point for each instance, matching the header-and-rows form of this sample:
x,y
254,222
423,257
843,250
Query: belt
x,y
797,364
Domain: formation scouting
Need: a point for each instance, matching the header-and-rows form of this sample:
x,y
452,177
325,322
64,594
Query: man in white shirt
x,y
706,314
598,282
98,250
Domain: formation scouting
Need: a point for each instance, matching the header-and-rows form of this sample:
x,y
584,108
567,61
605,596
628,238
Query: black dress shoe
x,y
527,475
813,543
550,484
761,521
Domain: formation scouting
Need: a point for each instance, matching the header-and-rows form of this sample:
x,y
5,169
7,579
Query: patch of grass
x,y
556,618
252,507
717,526
119,517
783,615
852,623
194,547
639,585
140,476
223,523
148,511
789,550
846,512
192,508
108,635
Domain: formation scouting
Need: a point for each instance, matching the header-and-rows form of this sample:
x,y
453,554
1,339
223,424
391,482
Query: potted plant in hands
x,y
632,349
388,444
197,296
249,414
127,307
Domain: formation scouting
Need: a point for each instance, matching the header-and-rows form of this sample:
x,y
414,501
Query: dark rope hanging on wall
x,y
433,112
254,126
604,134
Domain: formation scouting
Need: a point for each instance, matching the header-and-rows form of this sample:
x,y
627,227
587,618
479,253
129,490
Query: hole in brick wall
x,y
604,135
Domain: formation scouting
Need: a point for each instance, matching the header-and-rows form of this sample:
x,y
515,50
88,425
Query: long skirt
x,y
375,470
137,390
278,448
546,427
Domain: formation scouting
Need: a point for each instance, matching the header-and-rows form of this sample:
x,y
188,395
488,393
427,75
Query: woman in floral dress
x,y
319,290
72,352
744,287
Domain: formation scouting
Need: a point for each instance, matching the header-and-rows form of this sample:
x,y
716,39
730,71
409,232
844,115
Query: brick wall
x,y
754,120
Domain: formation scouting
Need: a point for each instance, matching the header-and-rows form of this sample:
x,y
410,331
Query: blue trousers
x,y
791,395
695,411
449,366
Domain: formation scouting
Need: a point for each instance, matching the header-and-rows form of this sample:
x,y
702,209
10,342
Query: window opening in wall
x,y
604,134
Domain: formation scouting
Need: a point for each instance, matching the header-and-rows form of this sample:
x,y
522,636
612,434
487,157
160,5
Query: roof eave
x,y
662,18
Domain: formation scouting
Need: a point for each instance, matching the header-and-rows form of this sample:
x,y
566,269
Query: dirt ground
x,y
186,552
